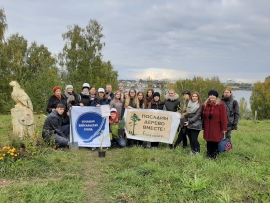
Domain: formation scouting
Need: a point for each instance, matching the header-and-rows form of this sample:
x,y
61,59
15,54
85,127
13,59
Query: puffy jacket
x,y
172,103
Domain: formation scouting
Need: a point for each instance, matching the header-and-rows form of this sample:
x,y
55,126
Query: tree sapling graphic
x,y
134,118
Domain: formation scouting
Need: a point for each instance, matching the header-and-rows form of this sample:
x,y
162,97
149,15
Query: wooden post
x,y
255,116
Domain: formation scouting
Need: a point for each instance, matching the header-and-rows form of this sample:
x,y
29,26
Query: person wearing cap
x,y
55,99
182,135
113,121
214,118
156,104
102,98
70,95
109,93
117,103
84,96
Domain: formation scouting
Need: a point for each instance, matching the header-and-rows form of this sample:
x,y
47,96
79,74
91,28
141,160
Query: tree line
x,y
37,70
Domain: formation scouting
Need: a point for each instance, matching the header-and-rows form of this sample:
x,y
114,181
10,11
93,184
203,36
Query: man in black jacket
x,y
232,108
53,129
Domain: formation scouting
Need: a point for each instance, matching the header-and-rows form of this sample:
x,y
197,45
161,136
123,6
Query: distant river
x,y
238,94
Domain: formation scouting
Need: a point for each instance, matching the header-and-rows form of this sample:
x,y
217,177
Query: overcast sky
x,y
159,39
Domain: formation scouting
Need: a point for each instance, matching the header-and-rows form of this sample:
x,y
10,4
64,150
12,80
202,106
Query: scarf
x,y
58,96
70,97
149,99
208,110
192,107
141,102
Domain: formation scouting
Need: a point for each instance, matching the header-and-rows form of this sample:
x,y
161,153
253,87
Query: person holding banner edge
x,y
131,102
156,104
194,110
214,118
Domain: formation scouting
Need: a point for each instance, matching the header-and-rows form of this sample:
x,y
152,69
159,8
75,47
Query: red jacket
x,y
214,127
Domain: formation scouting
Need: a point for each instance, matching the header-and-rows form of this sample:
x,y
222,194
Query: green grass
x,y
143,175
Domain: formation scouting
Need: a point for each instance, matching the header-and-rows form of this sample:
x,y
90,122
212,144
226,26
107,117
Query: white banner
x,y
151,125
89,128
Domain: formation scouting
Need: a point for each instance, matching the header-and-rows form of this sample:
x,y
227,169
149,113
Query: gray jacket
x,y
232,108
54,122
193,117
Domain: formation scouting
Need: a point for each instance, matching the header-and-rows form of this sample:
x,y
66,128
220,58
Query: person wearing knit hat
x,y
54,100
213,92
70,95
156,104
85,85
214,118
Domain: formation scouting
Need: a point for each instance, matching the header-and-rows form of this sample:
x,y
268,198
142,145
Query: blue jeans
x,y
59,140
121,141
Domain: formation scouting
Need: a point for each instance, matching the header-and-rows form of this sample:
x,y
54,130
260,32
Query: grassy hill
x,y
139,174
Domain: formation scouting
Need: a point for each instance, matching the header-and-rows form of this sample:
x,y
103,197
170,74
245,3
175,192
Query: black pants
x,y
181,137
154,144
131,142
212,149
193,139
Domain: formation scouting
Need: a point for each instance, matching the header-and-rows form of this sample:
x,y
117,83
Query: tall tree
x,y
3,24
40,76
81,58
260,99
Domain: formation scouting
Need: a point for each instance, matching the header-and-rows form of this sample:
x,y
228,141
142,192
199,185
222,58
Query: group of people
x,y
217,117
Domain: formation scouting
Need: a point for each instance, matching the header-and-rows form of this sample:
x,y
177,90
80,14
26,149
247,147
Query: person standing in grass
x,y
131,102
156,104
194,110
53,128
117,103
182,136
214,118
232,108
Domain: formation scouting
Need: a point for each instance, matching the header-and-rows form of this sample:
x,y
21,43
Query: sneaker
x,y
94,148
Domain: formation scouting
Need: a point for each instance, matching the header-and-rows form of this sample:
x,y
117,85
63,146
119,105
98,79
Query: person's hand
x,y
129,107
186,123
224,131
98,105
109,98
81,104
68,113
53,109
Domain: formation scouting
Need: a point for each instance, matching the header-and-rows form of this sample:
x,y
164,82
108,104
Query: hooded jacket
x,y
172,103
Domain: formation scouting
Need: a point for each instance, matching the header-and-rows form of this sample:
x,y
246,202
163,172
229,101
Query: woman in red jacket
x,y
214,118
